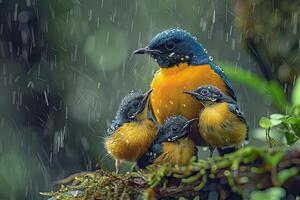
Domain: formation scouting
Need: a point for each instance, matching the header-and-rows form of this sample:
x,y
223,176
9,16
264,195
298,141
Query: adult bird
x,y
132,131
221,123
184,65
171,145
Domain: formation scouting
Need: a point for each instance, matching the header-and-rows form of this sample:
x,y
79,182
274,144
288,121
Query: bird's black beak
x,y
143,103
147,94
143,50
192,93
188,124
146,97
184,131
146,50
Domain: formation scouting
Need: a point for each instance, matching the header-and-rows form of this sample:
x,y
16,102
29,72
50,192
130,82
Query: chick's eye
x,y
136,103
174,128
204,92
170,45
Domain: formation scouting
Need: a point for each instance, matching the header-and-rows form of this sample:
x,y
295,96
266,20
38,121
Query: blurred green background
x,y
66,64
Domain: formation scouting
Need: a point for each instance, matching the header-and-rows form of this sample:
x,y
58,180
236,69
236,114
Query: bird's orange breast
x,y
221,128
168,84
177,153
131,140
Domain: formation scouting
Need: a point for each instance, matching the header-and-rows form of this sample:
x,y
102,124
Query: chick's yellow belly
x,y
177,153
131,140
221,128
168,99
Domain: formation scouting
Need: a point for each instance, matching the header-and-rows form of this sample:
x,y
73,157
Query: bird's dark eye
x,y
136,103
204,92
174,128
170,45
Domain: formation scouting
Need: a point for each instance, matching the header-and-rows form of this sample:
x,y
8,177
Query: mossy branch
x,y
231,177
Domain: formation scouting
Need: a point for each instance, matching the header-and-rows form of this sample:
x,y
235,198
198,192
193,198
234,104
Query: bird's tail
x,y
223,151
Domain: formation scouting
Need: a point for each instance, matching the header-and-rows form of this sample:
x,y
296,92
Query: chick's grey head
x,y
174,128
132,108
208,94
133,105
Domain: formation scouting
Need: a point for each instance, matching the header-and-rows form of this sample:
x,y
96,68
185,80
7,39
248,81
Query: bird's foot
x,y
211,149
117,165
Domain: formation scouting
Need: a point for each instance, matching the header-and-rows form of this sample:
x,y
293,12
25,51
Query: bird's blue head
x,y
174,46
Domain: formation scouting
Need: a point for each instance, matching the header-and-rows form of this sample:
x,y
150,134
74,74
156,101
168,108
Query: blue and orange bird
x,y
132,132
184,65
172,144
221,123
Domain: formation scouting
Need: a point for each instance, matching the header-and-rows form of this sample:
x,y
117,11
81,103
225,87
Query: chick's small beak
x,y
146,97
147,94
184,130
143,103
143,50
192,93
188,123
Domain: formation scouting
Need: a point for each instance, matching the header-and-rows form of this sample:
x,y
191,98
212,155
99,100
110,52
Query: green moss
x,y
97,185
155,179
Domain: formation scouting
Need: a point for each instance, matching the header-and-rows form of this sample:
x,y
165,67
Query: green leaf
x,y
290,138
291,120
295,110
296,93
276,94
274,193
275,122
265,123
284,175
271,90
277,116
259,134
274,159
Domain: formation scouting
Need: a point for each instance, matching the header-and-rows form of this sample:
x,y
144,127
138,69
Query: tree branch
x,y
231,177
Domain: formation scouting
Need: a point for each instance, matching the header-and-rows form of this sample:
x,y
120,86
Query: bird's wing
x,y
234,108
227,82
148,159
115,124
196,152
